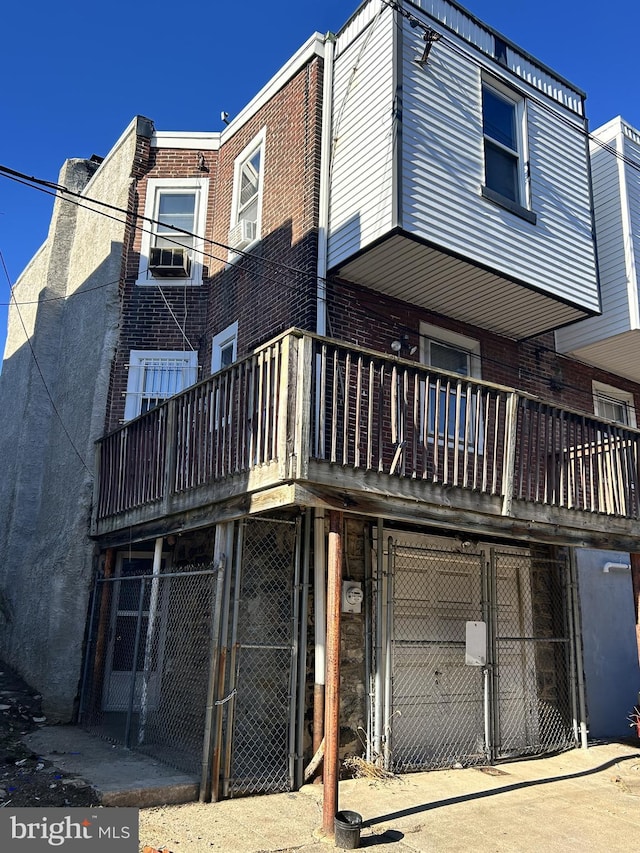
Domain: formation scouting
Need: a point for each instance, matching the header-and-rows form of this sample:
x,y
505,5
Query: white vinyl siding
x,y
362,170
443,173
435,192
610,341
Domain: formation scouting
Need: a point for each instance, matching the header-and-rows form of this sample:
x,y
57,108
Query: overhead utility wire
x,y
38,185
44,382
400,327
53,188
416,22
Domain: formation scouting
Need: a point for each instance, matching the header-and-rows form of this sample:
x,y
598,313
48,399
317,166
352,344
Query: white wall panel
x,y
443,171
362,165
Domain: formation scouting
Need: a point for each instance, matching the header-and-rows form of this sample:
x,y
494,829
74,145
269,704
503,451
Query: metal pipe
x,y
379,664
367,647
226,775
208,741
148,646
134,665
578,635
295,650
388,653
102,631
319,604
302,665
222,667
325,183
332,695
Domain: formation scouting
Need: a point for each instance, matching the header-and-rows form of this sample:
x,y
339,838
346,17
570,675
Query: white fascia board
x,y
196,141
314,46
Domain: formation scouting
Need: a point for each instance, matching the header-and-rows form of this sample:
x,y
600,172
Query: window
x,y
168,256
154,376
246,216
614,404
456,354
224,348
503,118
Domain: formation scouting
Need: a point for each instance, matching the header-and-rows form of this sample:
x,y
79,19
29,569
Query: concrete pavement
x,y
577,801
583,800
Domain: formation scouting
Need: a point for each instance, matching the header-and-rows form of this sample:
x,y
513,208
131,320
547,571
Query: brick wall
x,y
371,319
270,289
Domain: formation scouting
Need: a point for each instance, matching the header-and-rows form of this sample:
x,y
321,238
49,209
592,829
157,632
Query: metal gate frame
x,y
235,742
564,731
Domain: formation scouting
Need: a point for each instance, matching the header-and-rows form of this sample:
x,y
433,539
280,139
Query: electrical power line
x,y
44,382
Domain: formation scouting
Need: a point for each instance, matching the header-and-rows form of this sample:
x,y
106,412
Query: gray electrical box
x,y
476,644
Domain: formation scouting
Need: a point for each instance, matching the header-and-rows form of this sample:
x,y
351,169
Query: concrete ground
x,y
583,800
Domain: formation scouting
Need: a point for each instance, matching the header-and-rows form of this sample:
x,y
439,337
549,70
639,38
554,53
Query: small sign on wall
x,y
476,644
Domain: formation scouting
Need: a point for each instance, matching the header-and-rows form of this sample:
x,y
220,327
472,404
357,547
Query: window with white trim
x,y
246,209
224,348
614,404
455,354
172,245
504,140
156,375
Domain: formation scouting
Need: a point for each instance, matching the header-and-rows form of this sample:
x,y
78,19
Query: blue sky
x,y
74,75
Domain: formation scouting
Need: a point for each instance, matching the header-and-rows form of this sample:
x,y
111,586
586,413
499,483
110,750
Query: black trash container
x,y
347,827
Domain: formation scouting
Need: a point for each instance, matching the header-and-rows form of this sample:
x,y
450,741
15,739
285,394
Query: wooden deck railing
x,y
302,400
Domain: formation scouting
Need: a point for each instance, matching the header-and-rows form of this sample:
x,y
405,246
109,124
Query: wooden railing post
x,y
302,409
170,452
286,397
510,443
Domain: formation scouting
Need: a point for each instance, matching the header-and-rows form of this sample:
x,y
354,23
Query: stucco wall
x,y
45,495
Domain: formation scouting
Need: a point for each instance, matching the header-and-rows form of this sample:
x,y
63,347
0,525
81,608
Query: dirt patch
x,y
26,779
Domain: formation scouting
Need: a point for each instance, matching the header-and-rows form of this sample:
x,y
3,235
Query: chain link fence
x,y
260,715
532,652
442,712
437,714
148,660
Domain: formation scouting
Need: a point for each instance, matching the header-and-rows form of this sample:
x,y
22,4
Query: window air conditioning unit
x,y
167,262
242,234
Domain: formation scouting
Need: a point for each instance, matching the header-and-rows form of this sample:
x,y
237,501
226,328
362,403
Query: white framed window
x,y
156,375
504,143
224,348
456,354
614,404
168,256
246,207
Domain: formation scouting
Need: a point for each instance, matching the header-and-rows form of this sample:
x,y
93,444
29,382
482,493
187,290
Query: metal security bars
x,y
147,661
432,708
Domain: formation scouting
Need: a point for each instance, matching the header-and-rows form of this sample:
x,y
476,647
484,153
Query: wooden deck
x,y
315,422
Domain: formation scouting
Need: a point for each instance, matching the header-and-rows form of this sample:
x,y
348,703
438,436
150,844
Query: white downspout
x,y
325,183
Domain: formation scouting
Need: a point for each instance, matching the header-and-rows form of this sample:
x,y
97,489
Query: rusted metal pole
x,y
332,686
635,580
103,627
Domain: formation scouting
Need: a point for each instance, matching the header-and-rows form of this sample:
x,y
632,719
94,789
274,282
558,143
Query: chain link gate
x,y
260,717
434,710
533,660
147,662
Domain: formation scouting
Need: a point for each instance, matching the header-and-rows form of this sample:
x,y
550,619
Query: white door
x,y
130,603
